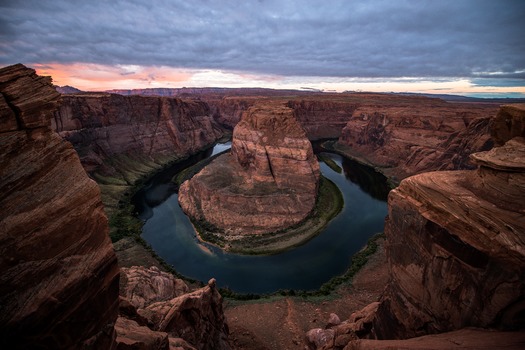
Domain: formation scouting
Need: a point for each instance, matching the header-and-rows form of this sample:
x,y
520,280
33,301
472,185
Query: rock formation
x,y
160,312
102,127
267,183
455,247
59,280
416,135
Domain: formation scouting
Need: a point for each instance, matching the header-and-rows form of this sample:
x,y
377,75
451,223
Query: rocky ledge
x,y
267,183
455,248
158,312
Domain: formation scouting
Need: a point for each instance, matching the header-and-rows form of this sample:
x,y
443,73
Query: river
x,y
169,231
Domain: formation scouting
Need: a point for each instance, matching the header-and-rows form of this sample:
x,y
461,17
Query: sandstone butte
x,y
268,182
456,252
59,281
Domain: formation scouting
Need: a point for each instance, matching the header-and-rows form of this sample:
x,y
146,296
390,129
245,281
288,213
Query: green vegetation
x,y
327,289
330,162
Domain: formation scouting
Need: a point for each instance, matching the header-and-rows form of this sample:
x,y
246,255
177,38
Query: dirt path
x,y
281,324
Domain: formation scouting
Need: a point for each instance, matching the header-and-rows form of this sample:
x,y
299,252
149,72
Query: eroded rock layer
x,y
158,312
104,126
59,280
456,251
405,138
268,182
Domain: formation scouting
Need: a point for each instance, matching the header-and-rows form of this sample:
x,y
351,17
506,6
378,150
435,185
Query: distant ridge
x,y
459,98
181,92
67,89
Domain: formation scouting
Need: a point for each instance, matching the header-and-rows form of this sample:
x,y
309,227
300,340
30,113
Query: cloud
x,y
342,38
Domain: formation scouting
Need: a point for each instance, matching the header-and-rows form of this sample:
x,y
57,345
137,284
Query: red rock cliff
x,y
411,135
103,127
268,182
59,274
456,250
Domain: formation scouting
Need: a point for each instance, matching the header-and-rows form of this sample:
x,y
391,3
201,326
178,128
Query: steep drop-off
x,y
123,138
455,247
59,274
411,137
268,182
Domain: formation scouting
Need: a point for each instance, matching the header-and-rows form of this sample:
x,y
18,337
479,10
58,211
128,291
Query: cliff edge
x,y
456,251
59,274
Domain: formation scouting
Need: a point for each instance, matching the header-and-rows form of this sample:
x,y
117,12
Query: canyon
x,y
455,250
454,239
267,183
60,276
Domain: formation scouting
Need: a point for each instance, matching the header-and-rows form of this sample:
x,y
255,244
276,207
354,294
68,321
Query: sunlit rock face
x,y
59,280
268,182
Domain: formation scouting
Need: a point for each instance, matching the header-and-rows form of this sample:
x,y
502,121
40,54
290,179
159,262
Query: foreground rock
x,y
160,311
456,249
59,280
268,182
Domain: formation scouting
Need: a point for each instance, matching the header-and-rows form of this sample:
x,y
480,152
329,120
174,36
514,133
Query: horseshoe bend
x,y
449,270
266,184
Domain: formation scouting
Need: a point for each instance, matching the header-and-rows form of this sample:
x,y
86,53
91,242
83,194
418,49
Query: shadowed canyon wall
x,y
417,135
127,136
456,250
59,274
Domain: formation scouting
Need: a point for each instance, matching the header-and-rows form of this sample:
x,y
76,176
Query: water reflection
x,y
370,181
307,267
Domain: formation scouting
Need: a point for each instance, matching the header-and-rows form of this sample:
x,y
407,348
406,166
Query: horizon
x,y
472,48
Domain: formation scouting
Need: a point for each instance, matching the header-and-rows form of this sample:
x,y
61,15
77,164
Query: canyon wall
x,y
105,126
125,136
404,138
268,182
59,280
455,249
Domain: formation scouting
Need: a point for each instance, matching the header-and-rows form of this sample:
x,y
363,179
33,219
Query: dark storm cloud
x,y
455,38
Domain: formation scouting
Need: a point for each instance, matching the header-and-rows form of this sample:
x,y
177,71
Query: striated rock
x,y
509,123
196,317
102,127
404,138
192,320
470,338
267,183
143,286
456,253
324,118
59,280
132,336
456,249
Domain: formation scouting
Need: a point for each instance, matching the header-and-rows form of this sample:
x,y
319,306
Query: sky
x,y
468,47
